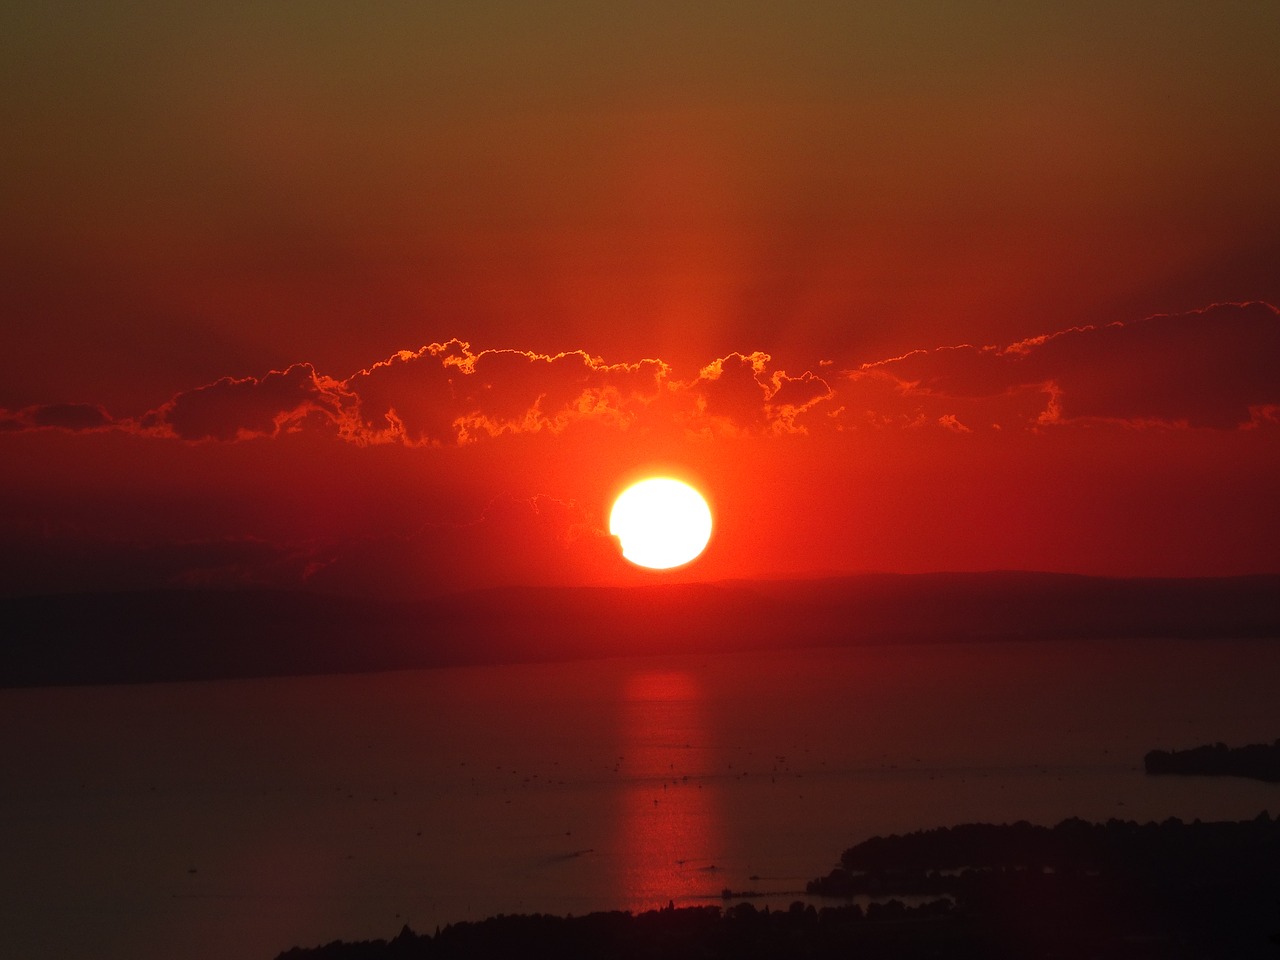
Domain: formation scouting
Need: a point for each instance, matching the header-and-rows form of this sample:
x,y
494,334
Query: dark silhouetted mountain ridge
x,y
191,634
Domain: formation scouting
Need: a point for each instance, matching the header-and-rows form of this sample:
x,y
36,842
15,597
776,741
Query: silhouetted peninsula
x,y
192,634
1258,761
1119,889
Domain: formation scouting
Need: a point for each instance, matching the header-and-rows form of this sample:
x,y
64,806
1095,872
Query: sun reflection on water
x,y
670,823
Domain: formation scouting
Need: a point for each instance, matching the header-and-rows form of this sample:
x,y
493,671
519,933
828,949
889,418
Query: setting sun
x,y
661,522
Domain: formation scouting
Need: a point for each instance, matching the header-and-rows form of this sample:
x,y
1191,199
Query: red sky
x,y
393,301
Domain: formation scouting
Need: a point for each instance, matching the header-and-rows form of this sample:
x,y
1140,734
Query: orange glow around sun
x,y
661,522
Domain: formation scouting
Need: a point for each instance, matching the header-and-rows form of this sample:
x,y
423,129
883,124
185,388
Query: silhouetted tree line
x,y
1259,761
1073,846
1112,890
1174,886
741,932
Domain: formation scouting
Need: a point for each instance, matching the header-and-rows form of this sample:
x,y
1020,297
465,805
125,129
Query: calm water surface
x,y
212,820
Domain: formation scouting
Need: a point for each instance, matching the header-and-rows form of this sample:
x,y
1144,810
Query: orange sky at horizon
x,y
394,301
455,468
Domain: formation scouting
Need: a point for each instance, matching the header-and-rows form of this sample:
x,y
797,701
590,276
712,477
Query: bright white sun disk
x,y
661,522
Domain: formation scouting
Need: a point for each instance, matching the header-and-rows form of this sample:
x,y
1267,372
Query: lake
x,y
240,818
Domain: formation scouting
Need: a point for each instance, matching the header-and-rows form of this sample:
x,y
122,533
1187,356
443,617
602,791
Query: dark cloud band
x,y
1211,369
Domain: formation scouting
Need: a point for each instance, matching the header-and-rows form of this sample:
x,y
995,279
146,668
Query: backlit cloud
x,y
1214,368
446,393
240,409
73,417
741,395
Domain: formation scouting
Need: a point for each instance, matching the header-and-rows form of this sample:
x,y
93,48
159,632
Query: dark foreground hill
x,y
1113,890
186,634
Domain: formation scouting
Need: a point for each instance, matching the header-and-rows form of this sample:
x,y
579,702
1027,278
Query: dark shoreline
x,y
1114,889
1257,761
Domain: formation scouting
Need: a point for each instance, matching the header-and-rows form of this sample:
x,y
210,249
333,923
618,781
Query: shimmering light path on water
x,y
210,820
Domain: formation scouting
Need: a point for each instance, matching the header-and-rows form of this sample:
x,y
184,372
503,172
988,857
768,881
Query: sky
x,y
393,299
